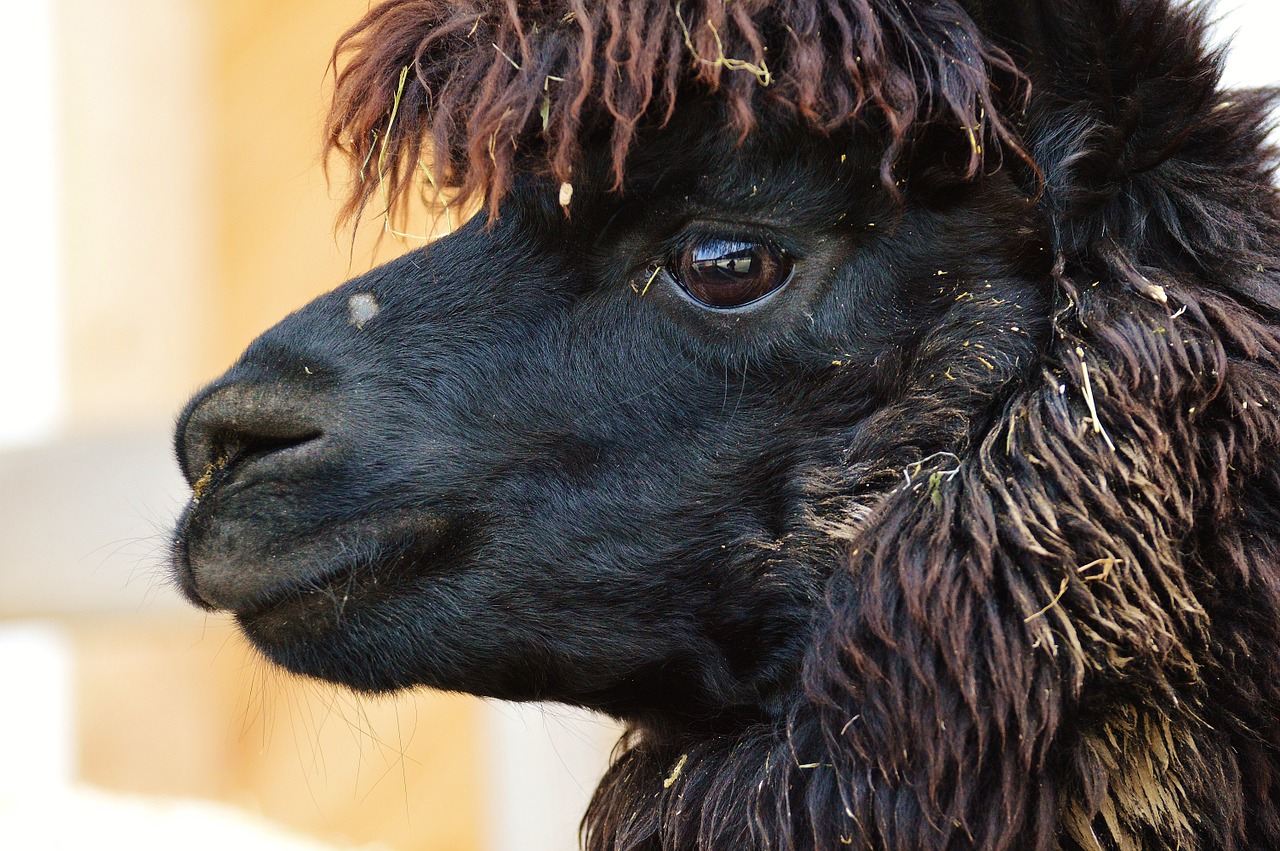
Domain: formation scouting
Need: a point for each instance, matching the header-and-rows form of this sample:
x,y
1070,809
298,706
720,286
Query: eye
x,y
724,273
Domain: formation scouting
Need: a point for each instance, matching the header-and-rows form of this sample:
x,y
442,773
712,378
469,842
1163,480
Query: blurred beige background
x,y
163,204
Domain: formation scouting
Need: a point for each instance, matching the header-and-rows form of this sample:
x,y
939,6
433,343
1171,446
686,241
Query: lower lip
x,y
393,563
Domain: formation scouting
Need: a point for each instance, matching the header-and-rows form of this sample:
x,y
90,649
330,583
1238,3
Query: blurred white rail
x,y
31,383
37,729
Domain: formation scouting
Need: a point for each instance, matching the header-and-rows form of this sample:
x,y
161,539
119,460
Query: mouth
x,y
238,565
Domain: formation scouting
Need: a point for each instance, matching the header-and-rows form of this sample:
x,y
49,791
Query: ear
x,y
1113,60
1018,27
1124,121
1062,45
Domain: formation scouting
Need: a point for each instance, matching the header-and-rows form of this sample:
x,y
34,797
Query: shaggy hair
x,y
1006,575
491,81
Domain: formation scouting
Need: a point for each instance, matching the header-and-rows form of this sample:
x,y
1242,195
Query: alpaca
x,y
872,403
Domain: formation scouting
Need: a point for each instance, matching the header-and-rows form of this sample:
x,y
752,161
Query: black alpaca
x,y
874,403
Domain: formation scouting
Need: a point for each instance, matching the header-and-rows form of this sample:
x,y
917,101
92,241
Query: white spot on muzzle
x,y
362,307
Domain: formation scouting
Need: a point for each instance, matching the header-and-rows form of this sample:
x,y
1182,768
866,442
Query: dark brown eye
x,y
726,273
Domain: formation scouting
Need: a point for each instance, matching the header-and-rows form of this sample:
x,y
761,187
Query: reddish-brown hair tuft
x,y
445,94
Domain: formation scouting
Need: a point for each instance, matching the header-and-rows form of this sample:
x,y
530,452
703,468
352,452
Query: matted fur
x,y
492,82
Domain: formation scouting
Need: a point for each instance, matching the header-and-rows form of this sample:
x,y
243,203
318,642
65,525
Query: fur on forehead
x,y
440,94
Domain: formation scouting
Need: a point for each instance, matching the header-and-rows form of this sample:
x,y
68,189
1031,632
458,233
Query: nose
x,y
230,425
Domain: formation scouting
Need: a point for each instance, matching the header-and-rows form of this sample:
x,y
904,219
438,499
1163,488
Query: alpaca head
x,y
610,456
807,363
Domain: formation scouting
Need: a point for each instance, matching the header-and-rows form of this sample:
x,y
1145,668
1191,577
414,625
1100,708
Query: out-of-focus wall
x,y
195,211
275,242
135,89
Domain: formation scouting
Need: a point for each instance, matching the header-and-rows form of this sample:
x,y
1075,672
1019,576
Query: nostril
x,y
235,449
230,426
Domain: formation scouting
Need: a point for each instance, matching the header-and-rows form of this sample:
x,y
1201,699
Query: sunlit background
x,y
163,204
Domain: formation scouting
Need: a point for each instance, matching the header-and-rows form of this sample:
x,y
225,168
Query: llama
x,y
872,403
